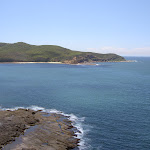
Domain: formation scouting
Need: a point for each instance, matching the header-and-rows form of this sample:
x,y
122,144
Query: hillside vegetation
x,y
23,52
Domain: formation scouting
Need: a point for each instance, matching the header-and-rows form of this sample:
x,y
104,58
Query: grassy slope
x,y
22,52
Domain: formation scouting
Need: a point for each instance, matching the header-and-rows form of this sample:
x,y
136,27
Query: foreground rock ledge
x,y
24,129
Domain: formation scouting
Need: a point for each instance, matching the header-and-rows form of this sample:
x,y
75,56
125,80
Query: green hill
x,y
23,52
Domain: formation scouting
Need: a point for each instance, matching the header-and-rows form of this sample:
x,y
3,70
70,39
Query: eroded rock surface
x,y
24,129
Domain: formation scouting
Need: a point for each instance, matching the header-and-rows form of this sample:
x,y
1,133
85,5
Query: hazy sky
x,y
104,26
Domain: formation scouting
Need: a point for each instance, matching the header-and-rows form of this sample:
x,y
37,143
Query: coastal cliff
x,y
25,129
23,52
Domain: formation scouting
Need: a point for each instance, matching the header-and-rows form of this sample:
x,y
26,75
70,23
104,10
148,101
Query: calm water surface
x,y
113,98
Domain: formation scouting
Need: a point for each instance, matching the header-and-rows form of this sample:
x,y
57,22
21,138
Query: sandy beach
x,y
30,62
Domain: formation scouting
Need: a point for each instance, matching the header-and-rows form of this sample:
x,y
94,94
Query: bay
x,y
111,100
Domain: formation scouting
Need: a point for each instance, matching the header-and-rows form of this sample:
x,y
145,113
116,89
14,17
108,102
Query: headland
x,y
23,52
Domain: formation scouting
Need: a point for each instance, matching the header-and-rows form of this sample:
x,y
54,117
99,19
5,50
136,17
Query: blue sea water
x,y
111,100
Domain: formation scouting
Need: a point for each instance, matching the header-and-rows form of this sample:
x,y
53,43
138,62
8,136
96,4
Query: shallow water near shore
x,y
110,102
18,140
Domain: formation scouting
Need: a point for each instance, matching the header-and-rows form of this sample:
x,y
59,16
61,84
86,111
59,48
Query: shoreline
x,y
85,63
19,129
30,62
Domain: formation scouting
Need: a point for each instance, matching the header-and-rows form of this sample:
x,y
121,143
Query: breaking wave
x,y
76,122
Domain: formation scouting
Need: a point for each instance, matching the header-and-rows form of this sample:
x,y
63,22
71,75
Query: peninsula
x,y
23,52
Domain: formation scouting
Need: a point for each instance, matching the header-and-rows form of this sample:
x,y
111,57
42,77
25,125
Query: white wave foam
x,y
134,61
76,121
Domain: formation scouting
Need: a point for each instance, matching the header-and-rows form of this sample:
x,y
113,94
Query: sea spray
x,y
77,122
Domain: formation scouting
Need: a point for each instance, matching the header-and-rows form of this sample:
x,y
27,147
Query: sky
x,y
103,26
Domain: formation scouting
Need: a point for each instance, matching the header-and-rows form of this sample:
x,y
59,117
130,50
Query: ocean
x,y
108,102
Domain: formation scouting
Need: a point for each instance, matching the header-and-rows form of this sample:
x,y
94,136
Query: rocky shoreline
x,y
67,63
26,129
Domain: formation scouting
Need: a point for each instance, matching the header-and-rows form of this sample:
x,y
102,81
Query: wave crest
x,y
76,121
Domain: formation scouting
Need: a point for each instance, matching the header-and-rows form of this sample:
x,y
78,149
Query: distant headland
x,y
23,52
